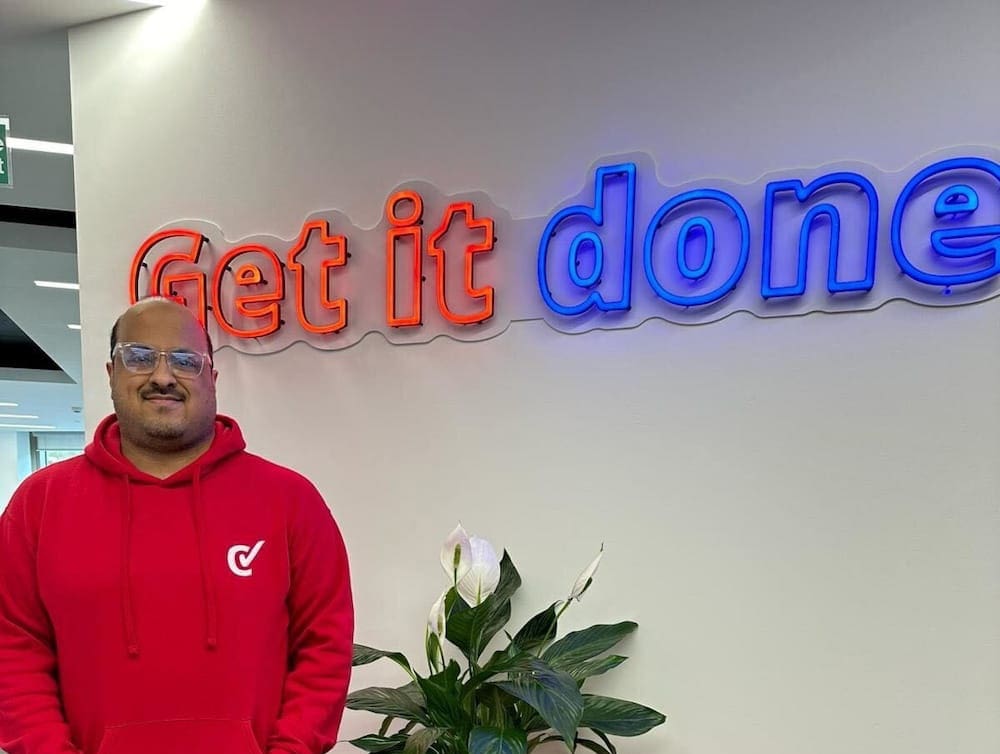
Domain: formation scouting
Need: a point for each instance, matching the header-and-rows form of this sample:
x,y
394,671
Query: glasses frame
x,y
165,355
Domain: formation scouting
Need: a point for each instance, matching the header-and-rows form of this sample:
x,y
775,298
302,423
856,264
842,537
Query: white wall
x,y
801,514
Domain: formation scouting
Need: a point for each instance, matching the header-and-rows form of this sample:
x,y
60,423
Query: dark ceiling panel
x,y
52,218
18,351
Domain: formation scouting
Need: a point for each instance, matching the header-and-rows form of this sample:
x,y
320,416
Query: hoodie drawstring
x,y
128,611
105,453
207,585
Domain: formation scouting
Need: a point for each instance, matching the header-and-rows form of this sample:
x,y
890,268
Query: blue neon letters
x,y
825,211
950,243
699,198
566,221
698,245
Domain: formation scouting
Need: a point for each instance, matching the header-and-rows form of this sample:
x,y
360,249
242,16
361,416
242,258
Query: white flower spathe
x,y
583,582
437,620
483,576
456,556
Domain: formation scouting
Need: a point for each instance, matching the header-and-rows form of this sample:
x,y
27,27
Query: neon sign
x,y
627,249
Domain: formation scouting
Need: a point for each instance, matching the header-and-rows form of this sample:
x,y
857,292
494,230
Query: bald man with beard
x,y
168,592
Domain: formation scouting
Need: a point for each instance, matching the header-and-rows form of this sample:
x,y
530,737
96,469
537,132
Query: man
x,y
168,592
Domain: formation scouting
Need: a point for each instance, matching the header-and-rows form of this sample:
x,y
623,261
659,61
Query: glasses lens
x,y
143,360
139,358
186,362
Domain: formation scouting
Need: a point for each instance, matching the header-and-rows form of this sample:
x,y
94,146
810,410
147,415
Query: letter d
x,y
586,235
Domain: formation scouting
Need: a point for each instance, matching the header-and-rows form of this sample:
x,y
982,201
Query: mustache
x,y
159,393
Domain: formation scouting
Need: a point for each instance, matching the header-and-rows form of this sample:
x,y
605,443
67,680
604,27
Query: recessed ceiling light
x,y
73,327
18,416
55,284
37,145
26,426
7,405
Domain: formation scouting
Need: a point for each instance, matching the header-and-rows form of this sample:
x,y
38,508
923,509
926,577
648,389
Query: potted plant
x,y
527,693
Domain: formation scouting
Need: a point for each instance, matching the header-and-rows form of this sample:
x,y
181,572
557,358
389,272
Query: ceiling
x,y
41,364
40,359
25,18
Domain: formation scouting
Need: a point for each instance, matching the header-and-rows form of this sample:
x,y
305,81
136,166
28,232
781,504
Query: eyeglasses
x,y
143,359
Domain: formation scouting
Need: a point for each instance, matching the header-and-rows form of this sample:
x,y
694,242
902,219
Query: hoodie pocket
x,y
181,737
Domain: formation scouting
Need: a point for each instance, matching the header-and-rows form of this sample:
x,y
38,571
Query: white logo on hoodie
x,y
240,557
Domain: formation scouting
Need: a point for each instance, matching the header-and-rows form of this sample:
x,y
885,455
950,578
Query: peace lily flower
x,y
586,578
434,635
514,699
483,575
456,554
437,621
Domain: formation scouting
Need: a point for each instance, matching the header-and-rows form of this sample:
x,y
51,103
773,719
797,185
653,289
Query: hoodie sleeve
x,y
320,631
31,716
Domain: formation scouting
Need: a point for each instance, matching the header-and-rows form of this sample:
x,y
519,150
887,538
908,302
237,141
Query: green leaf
x,y
578,646
421,741
553,694
374,743
538,631
590,668
443,693
533,723
510,579
363,655
471,628
607,741
497,741
503,661
592,745
585,743
406,702
617,717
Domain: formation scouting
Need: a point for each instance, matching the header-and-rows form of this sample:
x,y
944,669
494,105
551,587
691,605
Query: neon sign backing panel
x,y
626,249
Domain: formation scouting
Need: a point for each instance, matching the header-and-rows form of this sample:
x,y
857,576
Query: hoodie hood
x,y
105,452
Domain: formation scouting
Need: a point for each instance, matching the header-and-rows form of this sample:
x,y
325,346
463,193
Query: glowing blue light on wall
x,y
691,226
951,243
826,211
955,200
585,240
705,226
592,240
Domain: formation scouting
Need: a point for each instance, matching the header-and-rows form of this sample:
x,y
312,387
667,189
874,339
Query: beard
x,y
162,433
163,430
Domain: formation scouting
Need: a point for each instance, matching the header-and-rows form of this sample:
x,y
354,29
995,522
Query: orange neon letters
x,y
435,250
403,228
339,259
248,282
247,275
161,284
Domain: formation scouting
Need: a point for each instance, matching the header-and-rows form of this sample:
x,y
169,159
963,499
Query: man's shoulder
x,y
54,479
303,500
55,473
266,470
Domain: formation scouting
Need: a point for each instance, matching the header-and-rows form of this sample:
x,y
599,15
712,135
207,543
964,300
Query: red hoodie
x,y
206,613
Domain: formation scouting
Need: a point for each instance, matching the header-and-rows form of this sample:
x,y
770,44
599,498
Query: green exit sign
x,y
6,179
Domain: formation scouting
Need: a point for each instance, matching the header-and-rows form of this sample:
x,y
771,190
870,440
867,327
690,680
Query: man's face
x,y
161,410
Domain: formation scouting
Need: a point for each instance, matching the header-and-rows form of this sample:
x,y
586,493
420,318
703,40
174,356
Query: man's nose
x,y
162,376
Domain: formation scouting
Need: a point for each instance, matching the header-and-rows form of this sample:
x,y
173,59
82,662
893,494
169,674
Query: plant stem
x,y
563,609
